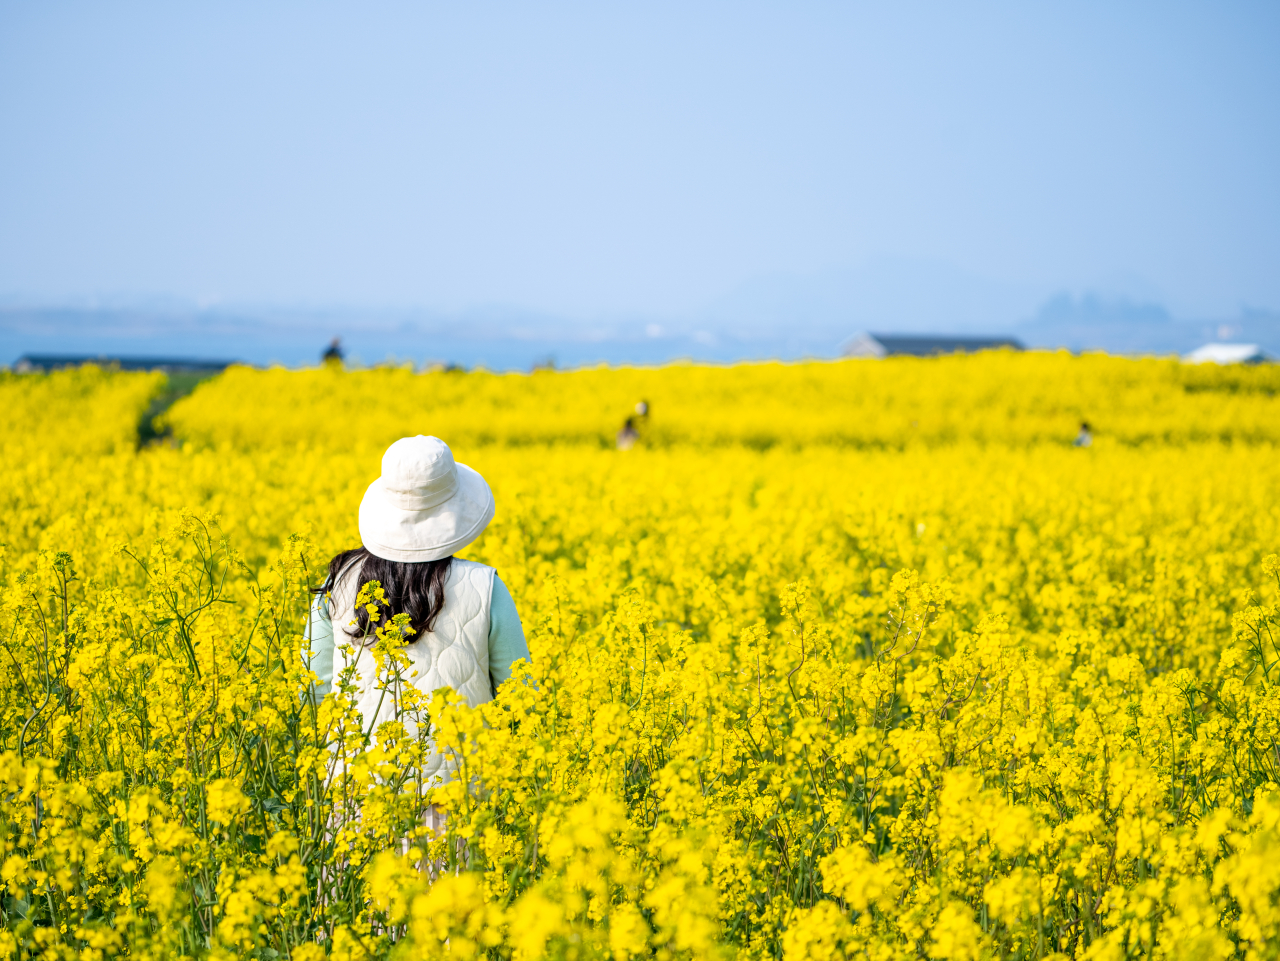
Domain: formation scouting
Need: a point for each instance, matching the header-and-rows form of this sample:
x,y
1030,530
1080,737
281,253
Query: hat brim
x,y
409,536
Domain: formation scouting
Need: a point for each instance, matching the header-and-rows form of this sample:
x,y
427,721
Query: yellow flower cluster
x,y
78,412
993,397
840,660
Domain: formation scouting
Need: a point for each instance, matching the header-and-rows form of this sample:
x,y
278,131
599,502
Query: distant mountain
x,y
885,293
1121,326
781,316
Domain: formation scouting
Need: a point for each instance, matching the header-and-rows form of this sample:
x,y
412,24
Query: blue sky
x,y
578,171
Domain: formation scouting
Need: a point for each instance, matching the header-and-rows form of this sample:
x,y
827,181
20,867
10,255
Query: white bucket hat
x,y
424,507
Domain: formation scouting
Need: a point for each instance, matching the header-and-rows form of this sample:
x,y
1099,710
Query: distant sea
x,y
503,341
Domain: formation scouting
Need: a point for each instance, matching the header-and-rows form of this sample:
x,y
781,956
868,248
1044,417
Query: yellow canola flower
x,y
839,660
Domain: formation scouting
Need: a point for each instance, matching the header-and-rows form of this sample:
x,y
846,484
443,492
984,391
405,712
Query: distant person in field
x,y
1084,438
630,433
333,354
628,436
466,632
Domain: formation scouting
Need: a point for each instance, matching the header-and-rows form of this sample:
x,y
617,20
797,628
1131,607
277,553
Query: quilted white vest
x,y
455,654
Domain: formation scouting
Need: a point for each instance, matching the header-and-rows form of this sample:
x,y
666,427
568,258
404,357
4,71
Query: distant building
x,y
897,345
34,363
1226,354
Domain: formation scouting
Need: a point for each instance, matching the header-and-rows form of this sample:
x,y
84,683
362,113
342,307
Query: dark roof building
x,y
31,363
923,345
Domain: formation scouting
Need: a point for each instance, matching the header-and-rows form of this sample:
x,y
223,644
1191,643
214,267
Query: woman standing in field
x,y
466,631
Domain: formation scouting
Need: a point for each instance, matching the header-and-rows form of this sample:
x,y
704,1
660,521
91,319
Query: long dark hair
x,y
415,589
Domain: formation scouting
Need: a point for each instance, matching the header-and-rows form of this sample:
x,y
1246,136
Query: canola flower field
x,y
842,660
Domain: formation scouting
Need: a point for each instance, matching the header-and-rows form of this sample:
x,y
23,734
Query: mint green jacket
x,y
506,638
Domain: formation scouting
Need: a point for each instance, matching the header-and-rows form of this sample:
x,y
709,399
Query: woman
x,y
413,519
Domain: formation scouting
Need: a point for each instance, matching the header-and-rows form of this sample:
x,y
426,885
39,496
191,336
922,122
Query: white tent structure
x,y
1226,354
